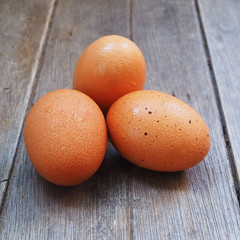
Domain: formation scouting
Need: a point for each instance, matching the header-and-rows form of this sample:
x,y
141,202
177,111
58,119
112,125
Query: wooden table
x,y
192,51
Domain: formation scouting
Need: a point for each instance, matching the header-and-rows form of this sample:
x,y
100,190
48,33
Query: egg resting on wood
x,y
66,137
157,131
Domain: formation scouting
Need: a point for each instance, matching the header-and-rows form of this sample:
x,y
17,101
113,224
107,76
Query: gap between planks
x,y
130,19
219,103
129,184
39,58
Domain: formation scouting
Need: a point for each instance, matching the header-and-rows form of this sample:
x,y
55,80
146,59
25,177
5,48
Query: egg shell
x,y
157,131
66,137
109,68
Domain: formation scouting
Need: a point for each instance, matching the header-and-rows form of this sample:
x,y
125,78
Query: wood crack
x,y
4,180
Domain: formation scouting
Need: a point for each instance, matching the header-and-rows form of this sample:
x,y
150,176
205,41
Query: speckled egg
x,y
66,137
157,131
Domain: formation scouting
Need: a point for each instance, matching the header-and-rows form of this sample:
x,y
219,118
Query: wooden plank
x,y
97,209
23,27
221,23
199,203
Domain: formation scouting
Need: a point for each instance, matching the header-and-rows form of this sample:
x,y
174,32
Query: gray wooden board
x,y
22,28
123,201
199,203
221,22
97,209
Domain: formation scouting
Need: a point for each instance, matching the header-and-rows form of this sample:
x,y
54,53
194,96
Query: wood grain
x,y
222,29
23,25
199,203
97,209
123,201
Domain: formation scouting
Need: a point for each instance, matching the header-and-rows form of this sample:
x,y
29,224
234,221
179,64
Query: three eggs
x,y
66,133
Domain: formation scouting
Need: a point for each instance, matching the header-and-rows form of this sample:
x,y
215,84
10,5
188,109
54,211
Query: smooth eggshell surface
x,y
66,137
157,131
109,68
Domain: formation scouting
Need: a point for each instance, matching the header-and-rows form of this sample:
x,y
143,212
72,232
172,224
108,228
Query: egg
x,y
109,68
65,137
157,131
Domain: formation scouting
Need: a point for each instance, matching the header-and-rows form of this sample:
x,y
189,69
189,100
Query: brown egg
x,y
66,137
157,131
109,68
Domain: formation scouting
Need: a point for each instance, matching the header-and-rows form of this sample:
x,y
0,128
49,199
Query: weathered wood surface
x,y
23,26
221,23
199,203
123,201
97,209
